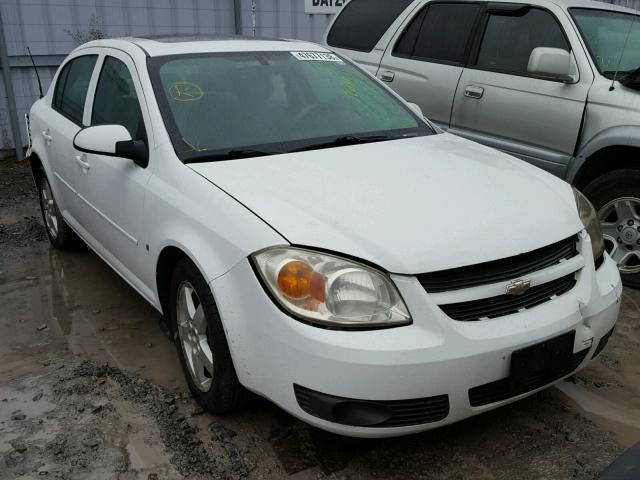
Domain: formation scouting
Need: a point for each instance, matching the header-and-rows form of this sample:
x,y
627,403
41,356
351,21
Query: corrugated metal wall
x,y
44,26
635,4
283,18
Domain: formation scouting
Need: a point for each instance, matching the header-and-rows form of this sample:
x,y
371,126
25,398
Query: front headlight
x,y
591,223
330,291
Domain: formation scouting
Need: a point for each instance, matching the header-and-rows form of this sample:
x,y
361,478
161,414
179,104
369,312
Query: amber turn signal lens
x,y
297,280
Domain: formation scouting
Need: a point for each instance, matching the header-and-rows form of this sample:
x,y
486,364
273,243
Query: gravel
x,y
188,454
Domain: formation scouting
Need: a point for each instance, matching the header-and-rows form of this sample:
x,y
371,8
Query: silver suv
x,y
552,82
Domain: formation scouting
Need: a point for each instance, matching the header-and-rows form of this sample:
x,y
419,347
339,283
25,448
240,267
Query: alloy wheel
x,y
49,208
620,223
192,330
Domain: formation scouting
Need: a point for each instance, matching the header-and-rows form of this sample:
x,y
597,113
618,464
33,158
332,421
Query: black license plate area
x,y
543,360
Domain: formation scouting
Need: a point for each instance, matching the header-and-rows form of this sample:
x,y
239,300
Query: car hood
x,y
410,206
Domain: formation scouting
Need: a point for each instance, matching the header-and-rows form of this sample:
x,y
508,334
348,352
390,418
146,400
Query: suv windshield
x,y
232,105
605,33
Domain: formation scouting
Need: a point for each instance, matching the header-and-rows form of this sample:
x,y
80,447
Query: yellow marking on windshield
x,y
193,147
185,91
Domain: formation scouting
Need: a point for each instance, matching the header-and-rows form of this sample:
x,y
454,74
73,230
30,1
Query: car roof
x,y
154,46
591,4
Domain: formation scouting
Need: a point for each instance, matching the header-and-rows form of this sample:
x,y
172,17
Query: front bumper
x,y
434,357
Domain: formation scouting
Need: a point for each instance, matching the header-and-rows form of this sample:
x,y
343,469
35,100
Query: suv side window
x,y
361,23
440,33
71,88
509,40
407,41
116,101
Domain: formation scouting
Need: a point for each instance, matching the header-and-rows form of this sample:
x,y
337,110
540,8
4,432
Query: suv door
x,y
500,104
426,57
63,121
364,27
112,189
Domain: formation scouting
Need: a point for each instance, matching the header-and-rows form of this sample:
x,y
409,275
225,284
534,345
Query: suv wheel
x,y
616,197
60,234
201,342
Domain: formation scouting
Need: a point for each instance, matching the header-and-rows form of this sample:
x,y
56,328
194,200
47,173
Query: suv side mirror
x,y
416,109
112,141
551,63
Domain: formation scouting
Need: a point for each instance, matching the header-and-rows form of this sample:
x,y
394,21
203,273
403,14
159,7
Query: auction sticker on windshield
x,y
317,56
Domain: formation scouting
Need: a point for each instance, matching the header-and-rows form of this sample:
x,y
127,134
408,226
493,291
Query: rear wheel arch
x,y
36,165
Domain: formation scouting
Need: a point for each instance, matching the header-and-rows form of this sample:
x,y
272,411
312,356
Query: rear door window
x,y
509,40
444,33
71,88
404,46
361,23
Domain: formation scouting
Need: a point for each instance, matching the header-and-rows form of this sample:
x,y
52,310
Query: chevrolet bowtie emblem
x,y
518,287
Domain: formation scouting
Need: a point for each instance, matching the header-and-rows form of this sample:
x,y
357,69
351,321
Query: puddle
x,y
600,406
143,456
621,421
14,402
76,300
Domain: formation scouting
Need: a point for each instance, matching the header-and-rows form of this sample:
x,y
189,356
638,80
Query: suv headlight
x,y
591,223
330,291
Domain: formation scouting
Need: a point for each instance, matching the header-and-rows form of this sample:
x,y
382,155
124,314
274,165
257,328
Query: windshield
x,y
605,33
273,102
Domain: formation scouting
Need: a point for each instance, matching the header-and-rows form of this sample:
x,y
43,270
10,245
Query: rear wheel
x,y
201,342
616,197
60,234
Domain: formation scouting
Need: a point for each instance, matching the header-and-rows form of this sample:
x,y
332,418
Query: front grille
x,y
507,304
501,389
499,270
401,412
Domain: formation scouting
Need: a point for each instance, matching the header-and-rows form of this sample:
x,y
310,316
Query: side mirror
x,y
552,64
416,109
112,141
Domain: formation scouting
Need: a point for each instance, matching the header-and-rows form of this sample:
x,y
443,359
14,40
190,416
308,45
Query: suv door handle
x,y
473,92
48,138
80,160
387,76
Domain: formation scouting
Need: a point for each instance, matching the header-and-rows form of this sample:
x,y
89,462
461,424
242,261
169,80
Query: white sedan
x,y
309,237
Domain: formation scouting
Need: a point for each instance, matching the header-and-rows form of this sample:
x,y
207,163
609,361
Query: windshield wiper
x,y
610,73
232,154
632,73
631,79
344,141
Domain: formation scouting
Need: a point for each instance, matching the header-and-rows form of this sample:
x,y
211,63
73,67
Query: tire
x,y
612,194
60,234
223,393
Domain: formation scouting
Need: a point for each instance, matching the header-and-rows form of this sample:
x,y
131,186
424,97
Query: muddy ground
x,y
91,388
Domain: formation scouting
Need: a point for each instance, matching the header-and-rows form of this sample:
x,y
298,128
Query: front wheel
x,y
201,342
616,197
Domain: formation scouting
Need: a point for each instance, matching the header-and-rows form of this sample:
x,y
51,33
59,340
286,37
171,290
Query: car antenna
x,y
36,69
624,48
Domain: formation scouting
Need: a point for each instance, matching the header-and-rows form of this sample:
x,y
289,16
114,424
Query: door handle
x,y
48,138
387,76
473,92
80,160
